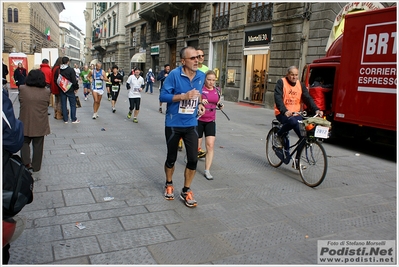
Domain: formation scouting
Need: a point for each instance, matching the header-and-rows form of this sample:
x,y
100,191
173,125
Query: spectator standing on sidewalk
x,y
34,98
135,84
13,139
116,79
5,73
20,74
161,78
85,81
97,78
46,69
182,93
69,73
55,90
206,123
149,79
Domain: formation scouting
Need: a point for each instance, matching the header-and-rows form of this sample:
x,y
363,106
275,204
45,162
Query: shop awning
x,y
138,58
256,51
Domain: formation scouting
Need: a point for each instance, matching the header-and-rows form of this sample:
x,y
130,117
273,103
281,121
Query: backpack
x,y
17,185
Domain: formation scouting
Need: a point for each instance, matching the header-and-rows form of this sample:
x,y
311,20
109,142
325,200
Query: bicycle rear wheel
x,y
271,147
313,163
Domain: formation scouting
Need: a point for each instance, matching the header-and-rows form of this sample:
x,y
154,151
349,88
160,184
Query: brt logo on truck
x,y
377,70
379,45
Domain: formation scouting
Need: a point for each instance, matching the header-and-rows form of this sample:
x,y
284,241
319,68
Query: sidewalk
x,y
251,213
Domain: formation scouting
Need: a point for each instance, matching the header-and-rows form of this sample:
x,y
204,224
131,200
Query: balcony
x,y
155,36
220,23
171,32
260,13
193,27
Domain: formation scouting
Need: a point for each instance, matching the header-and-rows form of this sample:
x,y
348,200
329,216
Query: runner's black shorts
x,y
209,128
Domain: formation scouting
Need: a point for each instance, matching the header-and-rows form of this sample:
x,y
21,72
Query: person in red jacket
x,y
46,69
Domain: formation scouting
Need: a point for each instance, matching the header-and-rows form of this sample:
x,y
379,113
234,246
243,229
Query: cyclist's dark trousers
x,y
289,123
190,139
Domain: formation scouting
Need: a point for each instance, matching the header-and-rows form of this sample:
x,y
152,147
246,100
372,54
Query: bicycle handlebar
x,y
303,114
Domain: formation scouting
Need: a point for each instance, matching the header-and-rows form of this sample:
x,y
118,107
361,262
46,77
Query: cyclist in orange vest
x,y
289,94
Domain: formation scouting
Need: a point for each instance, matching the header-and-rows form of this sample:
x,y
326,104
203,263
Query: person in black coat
x,y
20,74
69,73
5,73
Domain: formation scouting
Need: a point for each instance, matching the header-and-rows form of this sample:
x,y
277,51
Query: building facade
x,y
249,45
70,42
108,33
29,26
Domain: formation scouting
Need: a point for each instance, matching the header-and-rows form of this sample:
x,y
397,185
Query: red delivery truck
x,y
359,80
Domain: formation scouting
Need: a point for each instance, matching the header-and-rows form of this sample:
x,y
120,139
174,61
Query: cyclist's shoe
x,y
279,153
188,198
287,156
208,175
169,192
296,166
201,153
129,115
279,141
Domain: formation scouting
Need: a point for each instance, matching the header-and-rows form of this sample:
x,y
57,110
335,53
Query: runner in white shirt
x,y
135,84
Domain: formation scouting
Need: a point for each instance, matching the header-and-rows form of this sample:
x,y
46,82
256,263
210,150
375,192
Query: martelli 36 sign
x,y
258,37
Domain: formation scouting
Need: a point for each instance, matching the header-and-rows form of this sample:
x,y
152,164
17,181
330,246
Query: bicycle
x,y
312,163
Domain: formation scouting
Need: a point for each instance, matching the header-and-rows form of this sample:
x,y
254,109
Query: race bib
x,y
99,84
115,88
136,89
188,106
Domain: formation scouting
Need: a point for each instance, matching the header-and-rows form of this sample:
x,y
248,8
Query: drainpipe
x,y
305,36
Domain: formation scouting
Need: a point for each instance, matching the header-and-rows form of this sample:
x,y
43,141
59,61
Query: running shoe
x,y
180,147
65,122
77,121
94,116
169,192
113,110
109,98
129,115
208,175
85,98
201,153
135,120
188,198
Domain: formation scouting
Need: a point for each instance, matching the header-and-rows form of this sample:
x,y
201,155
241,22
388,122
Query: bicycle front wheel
x,y
271,146
313,164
